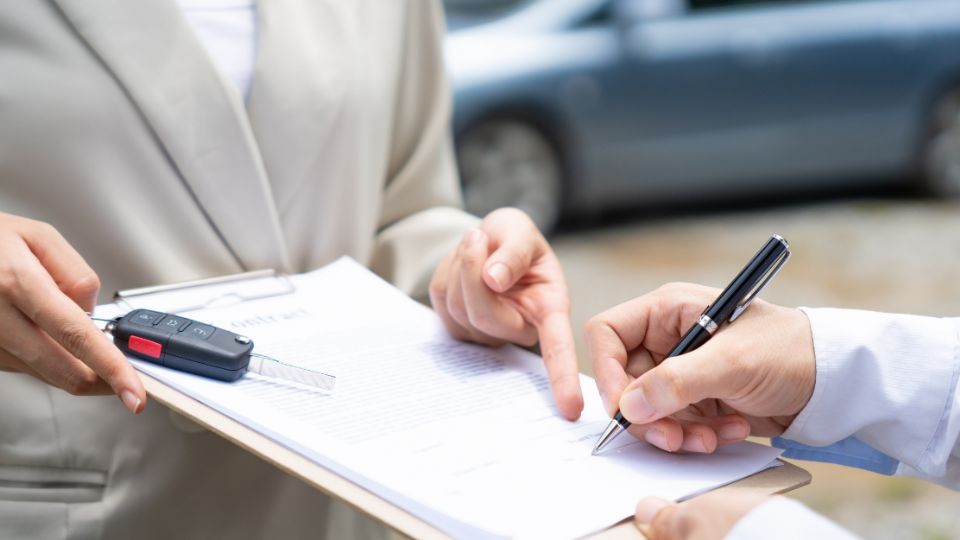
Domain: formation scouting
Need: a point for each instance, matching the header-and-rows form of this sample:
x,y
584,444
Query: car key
x,y
183,344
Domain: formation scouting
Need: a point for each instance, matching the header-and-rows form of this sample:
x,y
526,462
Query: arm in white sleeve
x,y
885,397
786,519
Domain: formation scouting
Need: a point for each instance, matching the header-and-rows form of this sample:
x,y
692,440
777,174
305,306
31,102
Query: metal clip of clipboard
x,y
203,293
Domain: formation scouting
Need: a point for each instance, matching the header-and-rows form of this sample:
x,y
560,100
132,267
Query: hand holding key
x,y
45,289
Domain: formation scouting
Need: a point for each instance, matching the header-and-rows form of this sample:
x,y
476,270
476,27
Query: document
x,y
465,437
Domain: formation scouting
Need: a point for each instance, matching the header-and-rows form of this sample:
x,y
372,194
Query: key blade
x,y
274,369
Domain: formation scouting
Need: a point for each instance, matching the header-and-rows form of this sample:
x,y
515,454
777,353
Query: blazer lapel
x,y
198,119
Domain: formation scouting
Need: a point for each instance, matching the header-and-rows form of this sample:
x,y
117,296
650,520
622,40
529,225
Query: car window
x,y
466,13
482,7
715,4
602,15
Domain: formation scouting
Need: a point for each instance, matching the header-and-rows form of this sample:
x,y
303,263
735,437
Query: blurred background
x,y
665,140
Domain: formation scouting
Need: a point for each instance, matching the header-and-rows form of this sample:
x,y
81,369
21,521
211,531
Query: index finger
x,y
559,355
609,349
68,269
39,298
654,321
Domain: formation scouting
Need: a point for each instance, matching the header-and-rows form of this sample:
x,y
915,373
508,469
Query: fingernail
x,y
693,443
634,406
131,401
734,431
473,236
648,508
657,438
500,274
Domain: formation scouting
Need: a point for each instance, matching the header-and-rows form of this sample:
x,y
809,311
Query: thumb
x,y
676,383
649,507
511,260
656,519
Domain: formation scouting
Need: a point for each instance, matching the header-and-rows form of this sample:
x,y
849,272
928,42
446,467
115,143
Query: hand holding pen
x,y
751,377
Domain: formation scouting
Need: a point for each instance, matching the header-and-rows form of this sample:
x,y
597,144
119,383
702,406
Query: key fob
x,y
183,344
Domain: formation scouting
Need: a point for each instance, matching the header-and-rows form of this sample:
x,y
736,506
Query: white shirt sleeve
x,y
889,381
786,519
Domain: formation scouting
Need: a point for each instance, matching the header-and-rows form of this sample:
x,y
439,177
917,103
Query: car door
x,y
733,94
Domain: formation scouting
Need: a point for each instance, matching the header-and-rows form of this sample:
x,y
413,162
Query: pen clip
x,y
752,295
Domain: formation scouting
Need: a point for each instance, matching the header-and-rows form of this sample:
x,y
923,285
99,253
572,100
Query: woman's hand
x,y
752,377
45,289
503,283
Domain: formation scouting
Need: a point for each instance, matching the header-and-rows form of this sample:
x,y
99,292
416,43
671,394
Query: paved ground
x,y
888,254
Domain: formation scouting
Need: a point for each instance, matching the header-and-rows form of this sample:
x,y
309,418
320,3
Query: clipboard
x,y
181,297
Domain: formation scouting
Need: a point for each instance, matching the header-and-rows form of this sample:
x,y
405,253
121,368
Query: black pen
x,y
726,308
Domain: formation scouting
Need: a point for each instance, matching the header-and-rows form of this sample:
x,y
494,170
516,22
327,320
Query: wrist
x,y
785,357
803,365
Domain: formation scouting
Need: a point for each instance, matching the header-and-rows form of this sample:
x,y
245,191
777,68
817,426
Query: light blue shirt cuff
x,y
849,452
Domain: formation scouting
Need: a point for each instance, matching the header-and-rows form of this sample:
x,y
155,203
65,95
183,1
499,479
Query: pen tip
x,y
597,448
613,429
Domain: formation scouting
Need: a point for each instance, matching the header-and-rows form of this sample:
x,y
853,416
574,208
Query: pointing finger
x,y
559,355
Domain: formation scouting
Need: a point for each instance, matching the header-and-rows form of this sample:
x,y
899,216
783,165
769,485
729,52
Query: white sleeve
x,y
889,381
786,519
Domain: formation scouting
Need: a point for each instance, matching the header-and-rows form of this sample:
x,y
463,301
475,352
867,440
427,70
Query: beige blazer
x,y
116,128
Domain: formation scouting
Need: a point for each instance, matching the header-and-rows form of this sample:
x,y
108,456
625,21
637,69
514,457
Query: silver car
x,y
579,105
